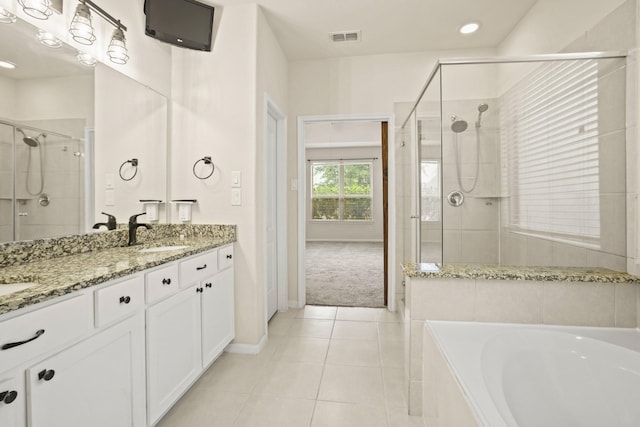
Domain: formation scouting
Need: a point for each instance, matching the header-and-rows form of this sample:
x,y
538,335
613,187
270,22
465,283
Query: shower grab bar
x,y
510,59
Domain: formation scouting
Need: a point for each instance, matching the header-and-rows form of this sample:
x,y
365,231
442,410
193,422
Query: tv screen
x,y
185,23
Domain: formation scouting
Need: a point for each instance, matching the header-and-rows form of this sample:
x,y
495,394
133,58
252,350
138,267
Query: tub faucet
x,y
133,228
110,224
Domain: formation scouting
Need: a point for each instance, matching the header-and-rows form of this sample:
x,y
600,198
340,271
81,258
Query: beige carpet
x,y
347,274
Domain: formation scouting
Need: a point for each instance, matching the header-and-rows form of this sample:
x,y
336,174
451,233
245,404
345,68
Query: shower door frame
x,y
436,71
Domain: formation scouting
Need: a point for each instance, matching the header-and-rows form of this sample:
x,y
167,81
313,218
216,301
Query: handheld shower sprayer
x,y
481,109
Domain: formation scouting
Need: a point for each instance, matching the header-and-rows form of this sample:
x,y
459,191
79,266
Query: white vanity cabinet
x,y
189,330
99,382
12,401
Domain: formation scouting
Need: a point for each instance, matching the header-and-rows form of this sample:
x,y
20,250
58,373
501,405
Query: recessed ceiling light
x,y
469,28
7,64
86,59
6,17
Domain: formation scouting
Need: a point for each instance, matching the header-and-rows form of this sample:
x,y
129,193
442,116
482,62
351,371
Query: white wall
x,y
217,110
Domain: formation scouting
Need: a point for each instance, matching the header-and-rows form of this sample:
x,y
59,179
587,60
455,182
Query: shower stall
x,y
518,161
42,183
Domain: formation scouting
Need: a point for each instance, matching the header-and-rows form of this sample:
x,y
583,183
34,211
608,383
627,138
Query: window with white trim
x,y
550,155
341,191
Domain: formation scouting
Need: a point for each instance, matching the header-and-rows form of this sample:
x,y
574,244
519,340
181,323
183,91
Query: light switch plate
x,y
236,197
294,184
236,179
108,180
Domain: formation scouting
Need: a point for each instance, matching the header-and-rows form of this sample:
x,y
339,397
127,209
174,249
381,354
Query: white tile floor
x,y
323,366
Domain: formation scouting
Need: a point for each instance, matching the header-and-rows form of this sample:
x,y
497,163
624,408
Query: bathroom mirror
x,y
51,160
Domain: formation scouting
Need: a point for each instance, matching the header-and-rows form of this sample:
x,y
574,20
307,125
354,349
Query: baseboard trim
x,y
247,348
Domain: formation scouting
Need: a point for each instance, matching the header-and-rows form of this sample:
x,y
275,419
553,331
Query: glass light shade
x,y
118,48
39,9
48,39
81,29
6,17
86,59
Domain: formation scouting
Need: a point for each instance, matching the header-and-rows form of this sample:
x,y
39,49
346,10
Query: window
x,y
549,143
341,191
430,190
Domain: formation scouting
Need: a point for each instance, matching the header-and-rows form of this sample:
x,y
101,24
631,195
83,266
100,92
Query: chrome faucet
x,y
133,228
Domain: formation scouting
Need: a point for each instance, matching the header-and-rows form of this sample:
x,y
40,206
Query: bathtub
x,y
538,375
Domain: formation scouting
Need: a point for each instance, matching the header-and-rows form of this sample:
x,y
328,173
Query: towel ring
x,y
134,165
207,161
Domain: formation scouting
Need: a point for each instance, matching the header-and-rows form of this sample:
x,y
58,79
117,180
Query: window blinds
x,y
549,151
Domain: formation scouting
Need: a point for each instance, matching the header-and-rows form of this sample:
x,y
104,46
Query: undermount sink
x,y
163,248
7,288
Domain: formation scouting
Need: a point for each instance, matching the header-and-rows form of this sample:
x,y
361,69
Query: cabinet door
x,y
173,349
98,382
12,401
217,315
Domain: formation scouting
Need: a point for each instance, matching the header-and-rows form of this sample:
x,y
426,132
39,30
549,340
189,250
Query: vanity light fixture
x,y
118,47
39,9
6,17
48,39
8,65
86,59
469,28
82,30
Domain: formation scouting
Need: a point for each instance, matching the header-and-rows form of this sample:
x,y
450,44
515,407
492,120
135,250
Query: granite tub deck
x,y
508,294
60,266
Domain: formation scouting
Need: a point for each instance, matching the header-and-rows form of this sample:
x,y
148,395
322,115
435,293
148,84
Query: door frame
x,y
302,196
272,109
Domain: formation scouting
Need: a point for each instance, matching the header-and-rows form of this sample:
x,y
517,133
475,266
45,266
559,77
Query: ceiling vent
x,y
345,36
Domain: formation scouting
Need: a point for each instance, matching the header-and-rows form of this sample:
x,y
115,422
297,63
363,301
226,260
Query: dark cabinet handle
x,y
8,396
202,267
39,332
229,256
46,374
207,285
166,281
125,300
199,290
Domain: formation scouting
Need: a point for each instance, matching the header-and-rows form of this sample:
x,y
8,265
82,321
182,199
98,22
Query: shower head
x,y
458,125
29,140
481,109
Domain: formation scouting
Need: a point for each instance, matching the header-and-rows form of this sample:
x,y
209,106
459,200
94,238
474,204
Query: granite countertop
x,y
59,276
507,272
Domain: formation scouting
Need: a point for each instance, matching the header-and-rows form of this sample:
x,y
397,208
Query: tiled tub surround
x,y
60,266
490,293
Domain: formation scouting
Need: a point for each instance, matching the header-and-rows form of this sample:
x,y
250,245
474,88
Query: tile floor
x,y
323,367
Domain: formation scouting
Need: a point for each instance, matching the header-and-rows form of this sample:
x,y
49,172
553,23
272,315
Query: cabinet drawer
x,y
225,257
162,283
197,268
32,334
119,300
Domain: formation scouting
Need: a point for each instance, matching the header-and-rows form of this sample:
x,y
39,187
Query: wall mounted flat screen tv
x,y
185,23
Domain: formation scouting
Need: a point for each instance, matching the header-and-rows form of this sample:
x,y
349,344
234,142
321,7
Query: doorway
x,y
275,202
337,223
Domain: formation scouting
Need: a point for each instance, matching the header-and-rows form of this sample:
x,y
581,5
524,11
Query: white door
x,y
271,213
